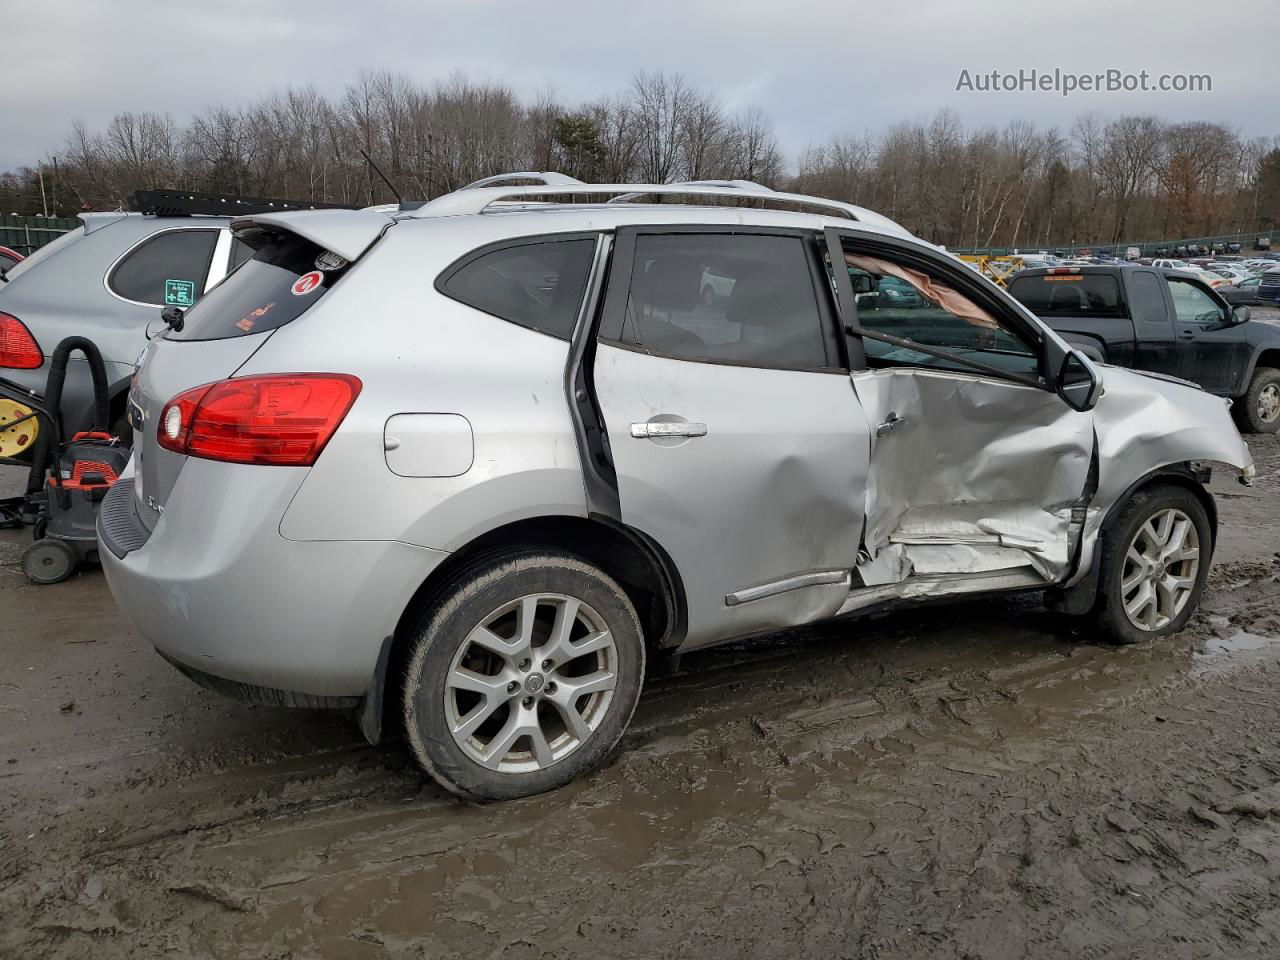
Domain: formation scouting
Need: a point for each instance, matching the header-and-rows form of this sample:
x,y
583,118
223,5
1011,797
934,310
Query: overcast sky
x,y
815,66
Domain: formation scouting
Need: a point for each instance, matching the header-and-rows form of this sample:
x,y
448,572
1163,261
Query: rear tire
x,y
1258,411
491,703
1155,561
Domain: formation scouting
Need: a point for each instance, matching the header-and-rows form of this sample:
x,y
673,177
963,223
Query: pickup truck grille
x,y
1269,286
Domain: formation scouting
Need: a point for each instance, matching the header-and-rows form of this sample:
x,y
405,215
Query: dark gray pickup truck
x,y
1164,321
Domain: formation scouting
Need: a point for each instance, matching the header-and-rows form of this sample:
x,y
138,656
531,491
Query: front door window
x,y
909,303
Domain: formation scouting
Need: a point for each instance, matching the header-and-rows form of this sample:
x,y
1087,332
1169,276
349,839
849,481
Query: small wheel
x,y
523,677
1154,565
1259,409
48,561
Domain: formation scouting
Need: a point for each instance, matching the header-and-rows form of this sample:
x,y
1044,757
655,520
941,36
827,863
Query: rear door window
x,y
742,299
168,269
1069,295
538,284
277,285
1148,298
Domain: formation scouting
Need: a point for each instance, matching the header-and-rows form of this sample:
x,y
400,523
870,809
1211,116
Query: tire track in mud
x,y
839,795
976,780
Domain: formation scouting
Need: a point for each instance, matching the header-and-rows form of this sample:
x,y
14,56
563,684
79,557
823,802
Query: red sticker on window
x,y
307,283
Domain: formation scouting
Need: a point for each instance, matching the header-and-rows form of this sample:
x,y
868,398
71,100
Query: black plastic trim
x,y
252,693
119,528
599,477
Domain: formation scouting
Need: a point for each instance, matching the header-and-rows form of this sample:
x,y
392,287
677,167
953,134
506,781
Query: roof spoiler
x,y
348,233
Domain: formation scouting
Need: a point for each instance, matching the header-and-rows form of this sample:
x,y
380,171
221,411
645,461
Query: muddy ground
x,y
980,780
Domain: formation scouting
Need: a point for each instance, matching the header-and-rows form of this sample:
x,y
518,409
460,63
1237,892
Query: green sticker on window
x,y
179,293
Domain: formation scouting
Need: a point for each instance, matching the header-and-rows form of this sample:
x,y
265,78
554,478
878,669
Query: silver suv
x,y
464,468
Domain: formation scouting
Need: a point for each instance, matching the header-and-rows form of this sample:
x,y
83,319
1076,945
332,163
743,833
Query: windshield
x,y
285,277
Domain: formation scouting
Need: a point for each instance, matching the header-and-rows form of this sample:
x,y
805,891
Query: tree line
x,y
1101,180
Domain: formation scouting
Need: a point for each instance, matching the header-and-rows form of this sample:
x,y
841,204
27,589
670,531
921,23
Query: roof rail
x,y
185,203
747,186
549,177
478,199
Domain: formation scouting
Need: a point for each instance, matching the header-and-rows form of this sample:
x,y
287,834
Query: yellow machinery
x,y
996,269
18,428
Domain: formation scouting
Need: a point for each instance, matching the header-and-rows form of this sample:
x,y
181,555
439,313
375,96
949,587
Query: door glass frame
x,y
909,255
622,268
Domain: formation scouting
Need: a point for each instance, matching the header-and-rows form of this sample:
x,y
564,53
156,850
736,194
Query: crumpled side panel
x,y
992,465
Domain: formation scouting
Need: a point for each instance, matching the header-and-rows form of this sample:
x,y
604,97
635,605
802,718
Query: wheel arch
x,y
1176,474
1095,348
1265,356
1080,597
641,567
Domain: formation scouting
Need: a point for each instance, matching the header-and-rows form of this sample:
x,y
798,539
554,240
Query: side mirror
x,y
1240,314
1079,384
862,282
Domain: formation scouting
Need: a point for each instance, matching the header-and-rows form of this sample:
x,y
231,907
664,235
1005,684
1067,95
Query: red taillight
x,y
18,348
281,419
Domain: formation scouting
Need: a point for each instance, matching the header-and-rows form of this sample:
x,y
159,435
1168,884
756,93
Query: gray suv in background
x,y
108,280
463,468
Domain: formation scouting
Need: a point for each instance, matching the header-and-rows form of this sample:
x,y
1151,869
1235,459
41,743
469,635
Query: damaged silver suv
x,y
463,468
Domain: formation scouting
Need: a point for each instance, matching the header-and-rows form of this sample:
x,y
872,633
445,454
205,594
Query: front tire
x,y
1154,564
523,677
1259,409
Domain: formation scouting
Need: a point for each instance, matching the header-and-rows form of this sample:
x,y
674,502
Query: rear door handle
x,y
1187,335
651,430
891,423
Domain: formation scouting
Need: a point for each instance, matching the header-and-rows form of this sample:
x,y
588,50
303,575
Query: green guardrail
x,y
1249,243
26,234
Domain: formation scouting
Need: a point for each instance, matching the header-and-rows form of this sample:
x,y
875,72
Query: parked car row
x,y
1239,280
462,467
1168,322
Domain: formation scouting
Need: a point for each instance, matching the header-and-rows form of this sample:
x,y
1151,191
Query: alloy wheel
x,y
1269,403
531,683
1160,569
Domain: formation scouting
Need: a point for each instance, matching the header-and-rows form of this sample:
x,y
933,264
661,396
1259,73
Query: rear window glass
x,y
537,285
1069,295
170,269
277,285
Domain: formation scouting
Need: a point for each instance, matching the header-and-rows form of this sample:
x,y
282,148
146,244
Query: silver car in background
x,y
107,280
464,468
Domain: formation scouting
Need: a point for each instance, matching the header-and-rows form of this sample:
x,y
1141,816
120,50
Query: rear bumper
x,y
217,590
